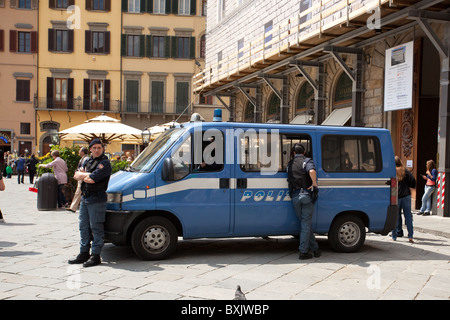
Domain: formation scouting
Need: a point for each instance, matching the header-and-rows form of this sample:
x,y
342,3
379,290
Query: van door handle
x,y
224,183
241,183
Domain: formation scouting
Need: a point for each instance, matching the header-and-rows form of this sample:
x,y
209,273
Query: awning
x,y
338,117
301,119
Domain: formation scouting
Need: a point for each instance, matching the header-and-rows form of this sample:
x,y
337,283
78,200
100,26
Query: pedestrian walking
x,y
2,183
20,168
94,176
60,170
430,186
84,154
31,166
406,182
302,181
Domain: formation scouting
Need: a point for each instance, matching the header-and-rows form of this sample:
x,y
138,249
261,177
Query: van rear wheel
x,y
347,233
154,238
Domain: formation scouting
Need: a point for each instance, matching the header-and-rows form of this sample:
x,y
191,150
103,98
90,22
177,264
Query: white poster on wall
x,y
398,78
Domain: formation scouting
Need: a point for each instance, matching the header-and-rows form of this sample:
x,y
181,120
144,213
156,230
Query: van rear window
x,y
347,153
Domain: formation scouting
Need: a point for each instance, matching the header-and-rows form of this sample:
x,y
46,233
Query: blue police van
x,y
225,179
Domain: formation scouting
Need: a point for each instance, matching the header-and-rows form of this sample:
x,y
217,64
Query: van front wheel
x,y
154,238
347,233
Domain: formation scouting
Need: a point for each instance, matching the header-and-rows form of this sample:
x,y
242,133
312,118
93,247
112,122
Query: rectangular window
x,y
158,47
134,6
183,47
25,4
259,151
157,96
240,46
98,4
22,90
182,96
351,154
132,96
159,6
288,141
184,7
97,94
133,49
24,41
98,42
268,34
205,99
62,40
25,128
62,4
60,94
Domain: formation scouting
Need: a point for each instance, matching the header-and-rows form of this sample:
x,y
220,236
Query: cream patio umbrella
x,y
105,128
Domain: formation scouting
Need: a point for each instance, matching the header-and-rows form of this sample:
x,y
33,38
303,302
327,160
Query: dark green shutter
x,y
149,6
193,7
143,5
167,46
192,48
168,6
174,47
86,94
157,96
123,45
142,45
124,5
148,46
182,96
174,6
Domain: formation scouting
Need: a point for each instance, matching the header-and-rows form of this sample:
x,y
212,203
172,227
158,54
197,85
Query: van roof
x,y
281,126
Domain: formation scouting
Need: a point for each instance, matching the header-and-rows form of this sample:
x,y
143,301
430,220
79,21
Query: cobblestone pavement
x,y
35,246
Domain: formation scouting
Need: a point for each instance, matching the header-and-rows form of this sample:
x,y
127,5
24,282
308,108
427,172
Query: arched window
x,y
304,98
343,91
273,108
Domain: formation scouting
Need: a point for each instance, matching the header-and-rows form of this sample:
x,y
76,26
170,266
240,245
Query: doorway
x,y
417,128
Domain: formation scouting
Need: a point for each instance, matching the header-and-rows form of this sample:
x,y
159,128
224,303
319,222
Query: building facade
x,y
131,59
325,62
18,75
79,66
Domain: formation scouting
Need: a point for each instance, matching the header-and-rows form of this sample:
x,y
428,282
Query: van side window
x,y
212,156
351,154
182,159
259,151
288,141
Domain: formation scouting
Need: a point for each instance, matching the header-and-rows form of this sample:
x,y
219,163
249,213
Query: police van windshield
x,y
145,161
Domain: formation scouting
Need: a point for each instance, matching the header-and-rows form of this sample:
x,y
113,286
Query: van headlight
x,y
114,197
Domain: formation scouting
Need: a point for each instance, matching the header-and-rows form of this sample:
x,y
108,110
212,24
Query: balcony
x,y
115,106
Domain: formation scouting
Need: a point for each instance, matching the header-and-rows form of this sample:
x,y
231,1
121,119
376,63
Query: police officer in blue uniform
x,y
303,189
95,177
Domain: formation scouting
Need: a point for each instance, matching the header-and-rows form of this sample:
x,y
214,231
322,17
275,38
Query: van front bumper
x,y
117,224
391,220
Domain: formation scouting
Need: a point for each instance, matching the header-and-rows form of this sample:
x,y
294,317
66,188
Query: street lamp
x,y
146,134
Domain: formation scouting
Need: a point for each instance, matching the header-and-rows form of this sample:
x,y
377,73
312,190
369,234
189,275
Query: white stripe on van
x,y
255,183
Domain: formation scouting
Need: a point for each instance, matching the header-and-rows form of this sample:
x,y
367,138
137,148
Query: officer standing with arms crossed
x,y
303,189
95,177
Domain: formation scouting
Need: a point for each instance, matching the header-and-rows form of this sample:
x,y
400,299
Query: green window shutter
x,y
142,45
148,46
182,98
144,4
174,6
124,5
193,7
149,6
167,46
157,96
168,6
174,47
192,48
123,45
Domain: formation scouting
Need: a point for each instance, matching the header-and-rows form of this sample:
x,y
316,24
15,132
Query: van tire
x,y
154,238
347,233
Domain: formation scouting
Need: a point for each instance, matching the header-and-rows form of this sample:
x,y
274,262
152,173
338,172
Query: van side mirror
x,y
167,170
